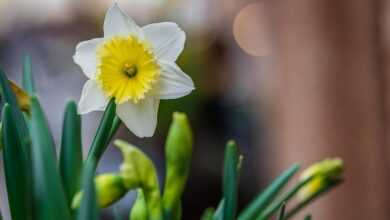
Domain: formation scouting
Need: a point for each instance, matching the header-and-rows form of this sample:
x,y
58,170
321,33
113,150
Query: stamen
x,y
130,70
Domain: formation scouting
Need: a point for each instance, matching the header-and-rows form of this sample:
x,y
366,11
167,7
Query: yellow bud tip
x,y
120,144
330,167
323,174
179,116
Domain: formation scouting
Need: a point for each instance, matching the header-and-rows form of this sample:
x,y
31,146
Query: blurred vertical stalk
x,y
329,100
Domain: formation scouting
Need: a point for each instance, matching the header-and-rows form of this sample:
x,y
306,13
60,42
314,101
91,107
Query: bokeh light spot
x,y
251,30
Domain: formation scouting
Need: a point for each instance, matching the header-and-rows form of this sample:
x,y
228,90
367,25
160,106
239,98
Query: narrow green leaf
x,y
27,81
218,215
270,210
22,134
9,97
103,133
230,181
49,195
71,158
310,199
16,169
282,211
267,196
88,207
208,214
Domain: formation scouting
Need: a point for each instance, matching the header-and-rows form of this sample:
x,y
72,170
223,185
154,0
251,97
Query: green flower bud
x,y
139,210
178,152
323,174
109,189
138,170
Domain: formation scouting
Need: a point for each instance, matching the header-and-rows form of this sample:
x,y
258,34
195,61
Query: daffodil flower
x,y
135,66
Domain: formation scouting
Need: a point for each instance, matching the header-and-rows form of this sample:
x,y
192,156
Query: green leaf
x,y
307,217
71,158
50,200
218,215
103,134
267,196
21,134
27,81
17,115
17,174
88,207
208,214
230,181
269,211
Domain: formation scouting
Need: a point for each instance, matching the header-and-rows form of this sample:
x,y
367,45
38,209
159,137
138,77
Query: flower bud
x,y
322,174
139,209
178,152
109,189
138,170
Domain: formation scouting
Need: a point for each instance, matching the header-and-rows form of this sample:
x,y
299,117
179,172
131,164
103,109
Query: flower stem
x,y
104,133
114,128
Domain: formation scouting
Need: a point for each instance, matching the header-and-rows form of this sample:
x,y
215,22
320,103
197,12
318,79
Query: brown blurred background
x,y
289,80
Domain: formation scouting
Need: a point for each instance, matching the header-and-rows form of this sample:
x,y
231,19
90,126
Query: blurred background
x,y
288,80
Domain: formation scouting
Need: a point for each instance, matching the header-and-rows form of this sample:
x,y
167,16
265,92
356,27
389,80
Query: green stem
x,y
103,135
114,128
285,198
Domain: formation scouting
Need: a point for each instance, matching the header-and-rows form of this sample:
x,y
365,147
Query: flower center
x,y
130,70
127,68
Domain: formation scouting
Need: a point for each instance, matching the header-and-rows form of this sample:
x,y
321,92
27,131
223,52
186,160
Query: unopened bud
x,y
139,210
109,189
138,170
322,174
178,152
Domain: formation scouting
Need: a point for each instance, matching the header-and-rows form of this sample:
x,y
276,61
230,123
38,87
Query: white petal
x,y
173,83
167,39
118,22
85,56
92,98
140,118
